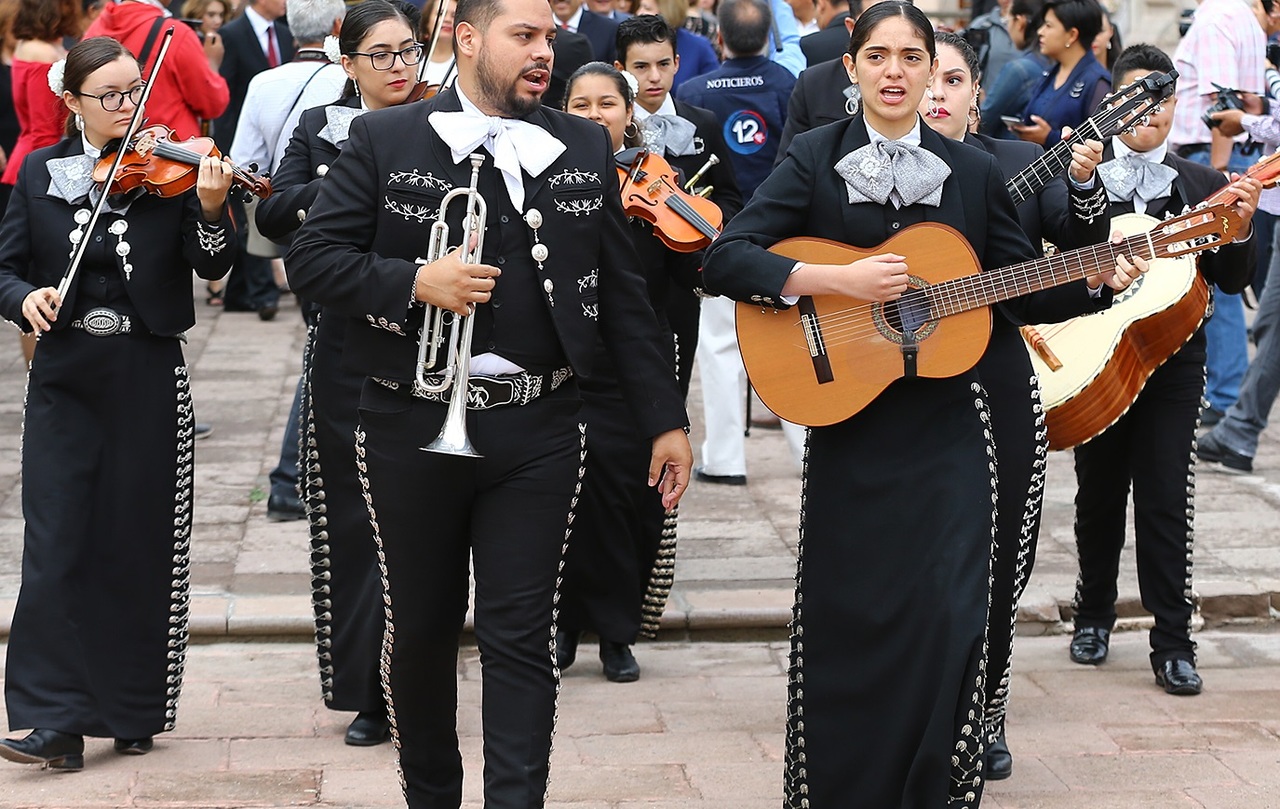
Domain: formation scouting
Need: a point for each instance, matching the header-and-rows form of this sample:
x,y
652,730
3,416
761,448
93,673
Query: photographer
x,y
1231,445
1223,49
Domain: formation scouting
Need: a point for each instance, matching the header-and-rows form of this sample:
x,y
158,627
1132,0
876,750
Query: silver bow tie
x,y
1130,176
670,133
890,170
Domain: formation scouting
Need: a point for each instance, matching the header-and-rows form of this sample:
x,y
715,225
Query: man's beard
x,y
504,98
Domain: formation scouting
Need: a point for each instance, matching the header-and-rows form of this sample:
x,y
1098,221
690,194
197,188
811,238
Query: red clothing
x,y
187,88
41,114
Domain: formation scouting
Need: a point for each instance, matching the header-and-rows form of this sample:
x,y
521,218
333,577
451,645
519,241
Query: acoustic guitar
x,y
829,356
1104,360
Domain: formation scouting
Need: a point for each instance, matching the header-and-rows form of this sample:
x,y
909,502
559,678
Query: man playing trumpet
x,y
555,274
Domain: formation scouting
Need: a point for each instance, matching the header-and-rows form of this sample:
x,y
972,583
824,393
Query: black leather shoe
x,y
268,311
56,751
620,665
283,508
1179,677
724,480
134,747
369,728
567,647
1090,644
999,763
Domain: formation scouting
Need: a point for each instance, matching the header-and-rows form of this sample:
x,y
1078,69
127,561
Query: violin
x,y
161,165
683,222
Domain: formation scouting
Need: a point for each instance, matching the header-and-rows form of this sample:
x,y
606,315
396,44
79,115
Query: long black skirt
x,y
99,636
887,653
346,588
1022,447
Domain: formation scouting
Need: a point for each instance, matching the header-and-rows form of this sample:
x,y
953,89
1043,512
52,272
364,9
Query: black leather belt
x,y
103,322
488,392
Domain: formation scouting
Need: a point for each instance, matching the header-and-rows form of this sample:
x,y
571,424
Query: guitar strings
x,y
851,324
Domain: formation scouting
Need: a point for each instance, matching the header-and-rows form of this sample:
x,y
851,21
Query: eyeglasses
x,y
385,60
114,100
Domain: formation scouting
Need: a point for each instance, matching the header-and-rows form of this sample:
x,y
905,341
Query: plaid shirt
x,y
1265,129
1225,46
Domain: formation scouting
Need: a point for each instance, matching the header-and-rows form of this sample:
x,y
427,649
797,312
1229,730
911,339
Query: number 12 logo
x,y
745,132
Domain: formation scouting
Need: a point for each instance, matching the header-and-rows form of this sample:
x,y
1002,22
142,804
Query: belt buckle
x,y
104,322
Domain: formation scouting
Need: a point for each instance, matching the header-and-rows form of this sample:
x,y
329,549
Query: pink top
x,y
41,114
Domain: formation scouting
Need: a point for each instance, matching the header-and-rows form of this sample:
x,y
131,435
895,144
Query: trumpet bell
x,y
452,440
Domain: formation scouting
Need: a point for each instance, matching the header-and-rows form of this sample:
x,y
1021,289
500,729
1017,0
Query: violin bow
x,y
135,122
436,26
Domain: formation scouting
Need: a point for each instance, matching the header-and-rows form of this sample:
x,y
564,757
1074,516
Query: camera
x,y
195,25
1228,99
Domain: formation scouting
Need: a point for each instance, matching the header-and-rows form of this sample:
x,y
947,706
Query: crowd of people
x,y
460,204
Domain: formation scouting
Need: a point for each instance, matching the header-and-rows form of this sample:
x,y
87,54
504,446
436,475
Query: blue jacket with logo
x,y
749,97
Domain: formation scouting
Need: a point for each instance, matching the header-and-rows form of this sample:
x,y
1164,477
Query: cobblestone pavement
x,y
703,728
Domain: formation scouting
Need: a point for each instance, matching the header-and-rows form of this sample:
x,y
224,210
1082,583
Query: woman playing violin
x,y
380,57
624,544
100,630
441,50
888,656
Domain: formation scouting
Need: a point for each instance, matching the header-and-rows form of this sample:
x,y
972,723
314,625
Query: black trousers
x,y
251,285
510,513
1152,447
346,587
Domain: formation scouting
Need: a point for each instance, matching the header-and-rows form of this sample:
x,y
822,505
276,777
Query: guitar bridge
x,y
813,338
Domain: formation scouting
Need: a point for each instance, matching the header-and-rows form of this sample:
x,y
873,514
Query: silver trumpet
x,y
456,374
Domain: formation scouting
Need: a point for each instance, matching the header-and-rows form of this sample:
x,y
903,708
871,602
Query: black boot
x,y
999,765
567,647
369,728
620,665
134,747
56,751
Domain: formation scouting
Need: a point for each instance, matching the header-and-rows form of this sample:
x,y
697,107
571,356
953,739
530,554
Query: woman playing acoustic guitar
x,y
888,661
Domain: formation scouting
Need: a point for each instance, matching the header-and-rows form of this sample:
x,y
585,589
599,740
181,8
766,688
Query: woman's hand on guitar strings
x,y
880,278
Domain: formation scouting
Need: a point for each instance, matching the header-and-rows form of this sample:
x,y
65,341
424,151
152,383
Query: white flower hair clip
x,y
631,83
332,49
56,71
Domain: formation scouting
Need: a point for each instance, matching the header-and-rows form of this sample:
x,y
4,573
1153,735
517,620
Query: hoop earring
x,y
631,131
851,105
974,117
932,110
79,122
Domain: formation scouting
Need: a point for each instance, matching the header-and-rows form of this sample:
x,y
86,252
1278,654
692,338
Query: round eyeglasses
x,y
114,100
385,60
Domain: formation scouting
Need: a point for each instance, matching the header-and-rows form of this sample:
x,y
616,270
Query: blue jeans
x,y
1228,344
284,478
1247,418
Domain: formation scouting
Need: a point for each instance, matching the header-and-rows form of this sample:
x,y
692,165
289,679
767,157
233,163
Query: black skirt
x,y
99,635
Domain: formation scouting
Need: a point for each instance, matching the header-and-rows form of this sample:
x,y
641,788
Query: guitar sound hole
x,y
910,312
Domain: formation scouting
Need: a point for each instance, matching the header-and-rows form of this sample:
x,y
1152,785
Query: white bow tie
x,y
514,144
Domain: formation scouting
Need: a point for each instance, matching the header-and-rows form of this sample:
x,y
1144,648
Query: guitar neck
x,y
1028,182
989,288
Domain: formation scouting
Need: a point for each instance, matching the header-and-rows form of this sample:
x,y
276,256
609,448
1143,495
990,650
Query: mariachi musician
x,y
1151,447
379,54
896,522
99,635
1069,213
555,271
618,571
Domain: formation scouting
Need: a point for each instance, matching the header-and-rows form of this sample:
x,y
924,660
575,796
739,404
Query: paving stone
x,y
1147,771
228,789
616,783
